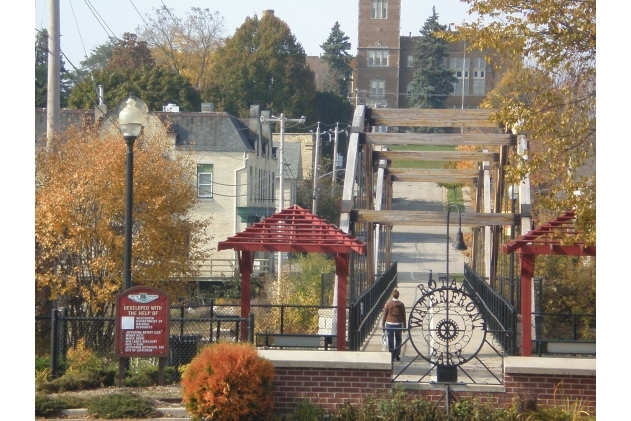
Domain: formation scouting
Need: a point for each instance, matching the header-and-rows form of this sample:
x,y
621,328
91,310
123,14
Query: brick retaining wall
x,y
330,378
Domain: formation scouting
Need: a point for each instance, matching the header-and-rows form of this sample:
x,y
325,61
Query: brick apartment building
x,y
385,62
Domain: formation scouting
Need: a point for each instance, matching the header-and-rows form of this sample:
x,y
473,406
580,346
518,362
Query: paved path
x,y
419,250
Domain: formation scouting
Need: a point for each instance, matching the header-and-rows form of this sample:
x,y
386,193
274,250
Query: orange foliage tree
x,y
79,219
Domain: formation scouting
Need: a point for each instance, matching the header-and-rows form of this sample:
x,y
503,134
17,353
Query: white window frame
x,y
379,9
377,88
203,184
378,58
479,76
455,64
410,60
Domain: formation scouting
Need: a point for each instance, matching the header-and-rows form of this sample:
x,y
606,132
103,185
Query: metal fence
x,y
365,310
499,315
555,327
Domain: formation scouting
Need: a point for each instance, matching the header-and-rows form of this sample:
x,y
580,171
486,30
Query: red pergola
x,y
546,239
295,230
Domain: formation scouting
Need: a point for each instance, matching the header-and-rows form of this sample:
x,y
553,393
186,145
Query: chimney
x,y
268,12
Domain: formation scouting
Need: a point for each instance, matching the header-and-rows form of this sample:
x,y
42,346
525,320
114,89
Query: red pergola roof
x,y
293,229
546,239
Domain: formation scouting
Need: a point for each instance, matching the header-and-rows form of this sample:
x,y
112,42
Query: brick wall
x,y
331,378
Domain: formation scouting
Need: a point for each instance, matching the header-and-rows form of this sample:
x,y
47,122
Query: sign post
x,y
142,326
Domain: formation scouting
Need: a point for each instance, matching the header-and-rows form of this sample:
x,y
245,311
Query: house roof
x,y
296,230
208,131
202,131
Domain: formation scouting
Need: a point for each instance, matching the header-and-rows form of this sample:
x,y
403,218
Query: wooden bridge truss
x,y
369,169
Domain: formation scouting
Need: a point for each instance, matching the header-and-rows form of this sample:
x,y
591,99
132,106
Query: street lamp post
x,y
459,244
130,121
513,192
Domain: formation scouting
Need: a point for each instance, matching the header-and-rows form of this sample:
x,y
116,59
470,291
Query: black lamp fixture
x,y
131,115
459,244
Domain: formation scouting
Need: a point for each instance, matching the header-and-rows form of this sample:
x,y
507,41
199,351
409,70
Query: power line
x,y
78,30
99,19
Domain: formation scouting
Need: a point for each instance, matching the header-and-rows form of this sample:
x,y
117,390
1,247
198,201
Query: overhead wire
x,y
78,30
100,19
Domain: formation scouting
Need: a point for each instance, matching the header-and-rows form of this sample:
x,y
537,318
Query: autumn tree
x,y
41,73
338,76
432,82
130,53
261,62
185,45
547,93
79,219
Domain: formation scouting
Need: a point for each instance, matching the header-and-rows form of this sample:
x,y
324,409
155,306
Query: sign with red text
x,y
142,323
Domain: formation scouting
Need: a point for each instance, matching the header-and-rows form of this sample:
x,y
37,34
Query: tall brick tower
x,y
378,53
385,62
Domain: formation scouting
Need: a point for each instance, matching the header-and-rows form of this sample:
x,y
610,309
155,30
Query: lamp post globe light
x,y
130,119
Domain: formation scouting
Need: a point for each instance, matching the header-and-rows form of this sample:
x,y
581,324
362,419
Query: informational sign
x,y
142,323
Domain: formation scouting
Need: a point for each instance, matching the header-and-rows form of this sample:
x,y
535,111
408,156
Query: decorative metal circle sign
x,y
445,325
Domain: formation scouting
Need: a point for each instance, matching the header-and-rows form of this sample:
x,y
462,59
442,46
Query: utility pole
x,y
335,155
281,173
54,66
315,171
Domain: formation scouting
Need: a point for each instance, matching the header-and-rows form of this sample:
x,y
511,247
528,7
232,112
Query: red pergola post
x,y
527,265
341,269
246,261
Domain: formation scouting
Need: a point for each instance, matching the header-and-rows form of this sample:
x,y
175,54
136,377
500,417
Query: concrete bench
x,y
296,340
570,347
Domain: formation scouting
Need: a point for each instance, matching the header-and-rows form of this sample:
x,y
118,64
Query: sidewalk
x,y
419,251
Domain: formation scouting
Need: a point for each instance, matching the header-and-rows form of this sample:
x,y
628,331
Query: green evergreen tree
x,y
261,62
99,56
338,76
432,82
157,86
41,73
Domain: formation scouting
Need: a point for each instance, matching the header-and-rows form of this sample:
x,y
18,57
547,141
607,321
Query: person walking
x,y
393,321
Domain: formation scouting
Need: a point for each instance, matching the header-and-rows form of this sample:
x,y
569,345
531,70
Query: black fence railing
x,y
364,311
562,327
500,316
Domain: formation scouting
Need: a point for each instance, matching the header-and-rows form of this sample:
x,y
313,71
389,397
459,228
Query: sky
x,y
81,31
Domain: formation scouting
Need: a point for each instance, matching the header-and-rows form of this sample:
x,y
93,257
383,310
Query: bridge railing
x,y
500,316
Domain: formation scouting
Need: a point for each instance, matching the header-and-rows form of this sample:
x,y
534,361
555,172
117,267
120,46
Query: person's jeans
x,y
394,339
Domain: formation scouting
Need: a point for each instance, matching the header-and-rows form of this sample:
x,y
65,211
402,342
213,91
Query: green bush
x,y
147,376
307,411
45,405
69,382
120,405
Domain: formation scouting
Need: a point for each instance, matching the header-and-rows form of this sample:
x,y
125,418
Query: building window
x,y
479,76
460,67
409,92
411,61
377,58
379,9
377,88
205,180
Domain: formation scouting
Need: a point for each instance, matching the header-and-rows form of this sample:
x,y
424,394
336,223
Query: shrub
x,y
229,382
120,405
45,405
307,411
81,359
70,381
147,376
